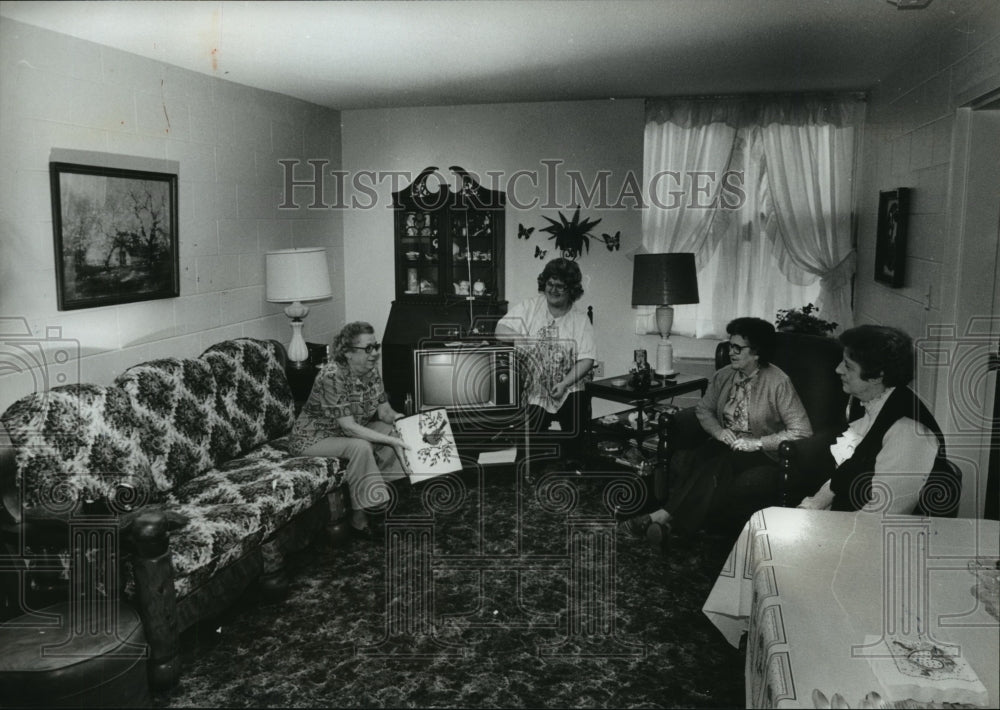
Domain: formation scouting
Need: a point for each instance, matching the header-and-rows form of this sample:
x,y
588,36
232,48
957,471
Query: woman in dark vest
x,y
892,442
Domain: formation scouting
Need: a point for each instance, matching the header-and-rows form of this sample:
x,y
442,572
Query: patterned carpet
x,y
494,591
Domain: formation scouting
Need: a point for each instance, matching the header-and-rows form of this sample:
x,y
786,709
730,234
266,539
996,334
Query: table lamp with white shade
x,y
294,276
664,280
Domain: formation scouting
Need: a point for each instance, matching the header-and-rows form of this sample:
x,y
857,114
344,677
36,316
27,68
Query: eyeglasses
x,y
369,349
734,348
555,287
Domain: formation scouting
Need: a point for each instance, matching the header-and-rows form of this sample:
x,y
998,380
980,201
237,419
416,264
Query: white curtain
x,y
743,274
789,242
810,152
684,139
676,220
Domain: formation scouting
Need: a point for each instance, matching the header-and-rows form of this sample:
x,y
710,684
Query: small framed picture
x,y
115,235
890,236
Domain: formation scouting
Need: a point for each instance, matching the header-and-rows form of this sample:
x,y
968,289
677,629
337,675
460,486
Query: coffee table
x,y
617,389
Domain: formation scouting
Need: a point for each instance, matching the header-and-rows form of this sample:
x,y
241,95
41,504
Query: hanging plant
x,y
572,235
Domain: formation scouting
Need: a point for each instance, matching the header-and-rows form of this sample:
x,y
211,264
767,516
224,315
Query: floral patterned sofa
x,y
183,461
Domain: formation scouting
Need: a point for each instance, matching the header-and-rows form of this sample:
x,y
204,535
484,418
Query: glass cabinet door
x,y
449,243
419,253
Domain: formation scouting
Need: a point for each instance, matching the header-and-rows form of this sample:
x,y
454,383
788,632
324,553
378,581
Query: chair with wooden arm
x,y
810,362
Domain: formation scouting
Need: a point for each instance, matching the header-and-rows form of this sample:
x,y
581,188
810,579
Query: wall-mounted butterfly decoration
x,y
572,236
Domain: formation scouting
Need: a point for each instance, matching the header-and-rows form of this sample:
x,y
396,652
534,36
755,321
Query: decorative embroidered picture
x,y
432,444
922,670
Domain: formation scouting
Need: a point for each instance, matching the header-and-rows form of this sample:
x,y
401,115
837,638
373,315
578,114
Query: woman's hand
x,y
727,437
558,390
747,445
398,448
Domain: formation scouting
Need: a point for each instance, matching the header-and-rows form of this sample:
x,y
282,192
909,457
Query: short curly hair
x,y
343,340
759,335
881,351
566,271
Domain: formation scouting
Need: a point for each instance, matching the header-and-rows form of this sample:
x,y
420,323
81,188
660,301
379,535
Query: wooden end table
x,y
617,389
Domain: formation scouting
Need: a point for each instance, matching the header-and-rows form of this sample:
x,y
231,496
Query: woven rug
x,y
492,591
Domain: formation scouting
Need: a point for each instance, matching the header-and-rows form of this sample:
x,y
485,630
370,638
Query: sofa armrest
x,y
148,533
10,499
806,464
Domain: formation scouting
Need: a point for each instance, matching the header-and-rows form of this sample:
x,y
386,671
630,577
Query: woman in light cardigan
x,y
749,408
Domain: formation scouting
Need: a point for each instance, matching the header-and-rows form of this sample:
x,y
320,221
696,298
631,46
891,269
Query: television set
x,y
477,384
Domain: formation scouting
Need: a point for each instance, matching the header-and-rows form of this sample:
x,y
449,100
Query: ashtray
x,y
619,382
609,447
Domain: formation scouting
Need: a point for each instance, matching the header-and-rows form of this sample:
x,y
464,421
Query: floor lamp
x,y
664,280
294,276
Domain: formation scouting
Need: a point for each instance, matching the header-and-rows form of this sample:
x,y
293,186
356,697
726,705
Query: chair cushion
x,y
76,443
174,405
253,395
811,361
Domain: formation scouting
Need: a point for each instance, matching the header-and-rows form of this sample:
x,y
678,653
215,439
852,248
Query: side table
x,y
617,389
300,378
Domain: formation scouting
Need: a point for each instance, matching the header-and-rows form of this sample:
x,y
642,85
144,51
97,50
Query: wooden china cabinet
x,y
449,245
449,270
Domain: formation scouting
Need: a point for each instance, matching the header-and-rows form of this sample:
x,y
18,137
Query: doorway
x,y
971,306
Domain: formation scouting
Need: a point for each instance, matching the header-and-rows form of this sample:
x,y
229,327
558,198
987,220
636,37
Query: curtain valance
x,y
758,110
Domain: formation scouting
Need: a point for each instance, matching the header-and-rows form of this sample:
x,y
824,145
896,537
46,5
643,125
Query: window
x,y
762,196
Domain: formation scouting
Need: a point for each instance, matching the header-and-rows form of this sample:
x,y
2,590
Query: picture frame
x,y
890,236
115,233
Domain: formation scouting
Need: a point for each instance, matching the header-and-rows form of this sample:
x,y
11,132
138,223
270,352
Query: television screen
x,y
465,379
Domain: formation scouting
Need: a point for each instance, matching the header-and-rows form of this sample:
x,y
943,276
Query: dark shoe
x,y
375,531
658,535
574,465
369,534
637,526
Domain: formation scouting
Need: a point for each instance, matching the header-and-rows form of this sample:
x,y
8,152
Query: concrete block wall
x,y
59,92
908,143
915,137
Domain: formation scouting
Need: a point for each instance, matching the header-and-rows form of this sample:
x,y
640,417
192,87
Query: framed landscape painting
x,y
890,236
115,235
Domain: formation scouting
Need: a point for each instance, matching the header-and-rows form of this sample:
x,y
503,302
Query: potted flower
x,y
802,320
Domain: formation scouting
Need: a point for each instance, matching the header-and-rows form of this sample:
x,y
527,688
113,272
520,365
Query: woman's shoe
x,y
637,526
373,531
658,535
364,533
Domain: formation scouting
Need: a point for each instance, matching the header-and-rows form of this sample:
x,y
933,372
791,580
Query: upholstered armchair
x,y
810,362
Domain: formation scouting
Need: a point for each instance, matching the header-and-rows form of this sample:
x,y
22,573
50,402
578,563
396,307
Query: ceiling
x,y
353,55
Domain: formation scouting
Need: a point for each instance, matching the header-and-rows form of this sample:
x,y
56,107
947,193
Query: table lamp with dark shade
x,y
664,280
294,276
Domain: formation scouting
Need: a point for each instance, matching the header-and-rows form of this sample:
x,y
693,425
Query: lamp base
x,y
665,350
298,353
665,358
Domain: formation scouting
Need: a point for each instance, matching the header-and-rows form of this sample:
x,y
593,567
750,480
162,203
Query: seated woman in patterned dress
x,y
348,416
